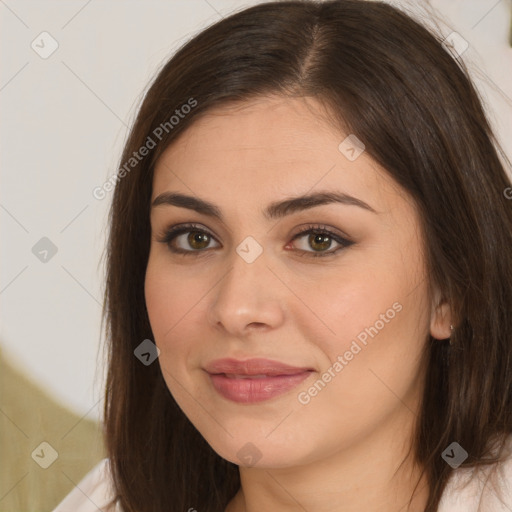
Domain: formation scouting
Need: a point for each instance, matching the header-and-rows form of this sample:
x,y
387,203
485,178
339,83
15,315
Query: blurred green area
x,y
28,417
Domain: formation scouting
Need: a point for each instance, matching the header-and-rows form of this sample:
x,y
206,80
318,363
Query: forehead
x,y
271,146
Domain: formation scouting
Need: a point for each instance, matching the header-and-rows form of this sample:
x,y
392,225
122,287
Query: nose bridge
x,y
245,294
248,273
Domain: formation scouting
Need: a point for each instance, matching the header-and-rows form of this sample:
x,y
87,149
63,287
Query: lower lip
x,y
247,390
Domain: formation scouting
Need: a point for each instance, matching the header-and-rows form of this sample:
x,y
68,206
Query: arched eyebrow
x,y
275,210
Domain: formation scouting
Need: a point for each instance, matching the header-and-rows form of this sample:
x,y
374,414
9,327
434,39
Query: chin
x,y
261,447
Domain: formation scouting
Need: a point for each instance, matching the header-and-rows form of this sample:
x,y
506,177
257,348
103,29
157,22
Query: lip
x,y
254,380
255,366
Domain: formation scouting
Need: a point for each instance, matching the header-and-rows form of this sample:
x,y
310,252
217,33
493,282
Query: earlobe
x,y
441,322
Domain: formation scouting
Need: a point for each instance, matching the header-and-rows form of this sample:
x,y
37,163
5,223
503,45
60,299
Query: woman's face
x,y
346,306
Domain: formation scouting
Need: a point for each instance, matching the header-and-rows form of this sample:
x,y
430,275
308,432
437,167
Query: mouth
x,y
254,380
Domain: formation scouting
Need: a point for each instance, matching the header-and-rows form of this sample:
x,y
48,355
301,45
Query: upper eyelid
x,y
180,229
185,227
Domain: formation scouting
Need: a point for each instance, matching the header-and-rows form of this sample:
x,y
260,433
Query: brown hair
x,y
387,79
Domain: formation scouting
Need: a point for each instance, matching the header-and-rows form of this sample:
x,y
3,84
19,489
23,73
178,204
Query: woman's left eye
x,y
320,239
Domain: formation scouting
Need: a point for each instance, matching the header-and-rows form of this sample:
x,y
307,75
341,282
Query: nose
x,y
248,298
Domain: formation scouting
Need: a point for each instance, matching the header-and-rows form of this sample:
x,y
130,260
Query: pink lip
x,y
232,378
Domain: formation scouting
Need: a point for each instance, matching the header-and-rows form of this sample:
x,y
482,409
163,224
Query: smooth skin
x,y
342,450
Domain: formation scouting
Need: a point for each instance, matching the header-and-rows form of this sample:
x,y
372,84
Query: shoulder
x,y
485,488
93,492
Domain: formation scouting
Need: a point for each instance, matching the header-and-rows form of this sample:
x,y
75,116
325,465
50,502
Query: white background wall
x,y
63,123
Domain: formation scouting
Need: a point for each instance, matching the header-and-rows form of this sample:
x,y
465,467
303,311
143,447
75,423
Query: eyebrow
x,y
275,210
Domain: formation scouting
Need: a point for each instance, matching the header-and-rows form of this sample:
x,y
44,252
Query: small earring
x,y
451,329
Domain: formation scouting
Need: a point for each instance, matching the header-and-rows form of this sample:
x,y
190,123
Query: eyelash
x,y
171,233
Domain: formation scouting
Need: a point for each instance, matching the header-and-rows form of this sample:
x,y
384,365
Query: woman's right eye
x,y
187,239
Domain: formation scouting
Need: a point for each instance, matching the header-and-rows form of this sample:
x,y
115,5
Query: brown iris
x,y
319,242
198,240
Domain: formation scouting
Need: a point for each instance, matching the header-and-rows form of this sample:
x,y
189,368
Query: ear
x,y
440,319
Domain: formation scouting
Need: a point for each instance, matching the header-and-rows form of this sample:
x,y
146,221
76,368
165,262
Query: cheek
x,y
379,301
170,295
372,359
176,302
376,321
170,301
160,296
355,304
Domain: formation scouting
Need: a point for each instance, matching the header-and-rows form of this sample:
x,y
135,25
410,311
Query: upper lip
x,y
257,366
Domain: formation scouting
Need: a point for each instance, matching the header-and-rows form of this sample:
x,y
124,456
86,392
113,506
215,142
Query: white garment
x,y
93,492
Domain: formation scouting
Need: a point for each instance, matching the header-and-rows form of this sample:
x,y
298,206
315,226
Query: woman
x,y
308,282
